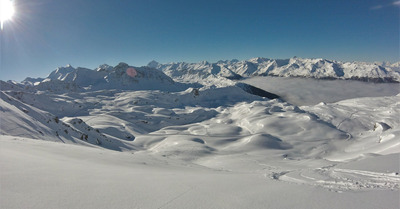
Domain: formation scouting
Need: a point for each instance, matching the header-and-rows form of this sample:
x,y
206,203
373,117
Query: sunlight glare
x,y
6,11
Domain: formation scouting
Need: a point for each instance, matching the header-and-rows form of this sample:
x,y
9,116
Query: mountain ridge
x,y
293,67
177,76
122,76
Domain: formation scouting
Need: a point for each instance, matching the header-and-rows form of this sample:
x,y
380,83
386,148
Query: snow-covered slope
x,y
23,120
222,142
294,67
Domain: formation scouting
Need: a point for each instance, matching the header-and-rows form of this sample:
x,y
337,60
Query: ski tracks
x,y
337,179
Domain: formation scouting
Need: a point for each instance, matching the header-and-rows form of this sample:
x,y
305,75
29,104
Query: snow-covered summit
x,y
104,67
60,72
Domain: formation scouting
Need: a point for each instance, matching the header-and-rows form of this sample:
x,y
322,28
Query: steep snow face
x,y
61,72
294,67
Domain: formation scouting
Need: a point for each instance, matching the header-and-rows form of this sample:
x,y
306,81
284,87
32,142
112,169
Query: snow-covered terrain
x,y
188,136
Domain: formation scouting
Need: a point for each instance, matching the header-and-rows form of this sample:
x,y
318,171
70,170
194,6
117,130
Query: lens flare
x,y
131,72
6,11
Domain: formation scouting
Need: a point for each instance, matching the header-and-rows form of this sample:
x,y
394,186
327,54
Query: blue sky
x,y
45,34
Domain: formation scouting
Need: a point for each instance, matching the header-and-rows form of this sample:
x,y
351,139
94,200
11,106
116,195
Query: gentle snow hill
x,y
294,67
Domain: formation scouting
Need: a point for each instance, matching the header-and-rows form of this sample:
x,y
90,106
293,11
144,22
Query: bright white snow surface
x,y
334,145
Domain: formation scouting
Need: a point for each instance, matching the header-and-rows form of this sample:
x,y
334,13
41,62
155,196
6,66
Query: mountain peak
x,y
60,72
104,67
153,64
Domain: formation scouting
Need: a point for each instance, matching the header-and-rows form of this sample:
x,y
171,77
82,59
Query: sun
x,y
6,11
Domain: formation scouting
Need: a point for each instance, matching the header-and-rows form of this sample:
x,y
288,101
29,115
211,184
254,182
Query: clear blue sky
x,y
45,34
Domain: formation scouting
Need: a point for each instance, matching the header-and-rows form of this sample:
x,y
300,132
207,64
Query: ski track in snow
x,y
342,179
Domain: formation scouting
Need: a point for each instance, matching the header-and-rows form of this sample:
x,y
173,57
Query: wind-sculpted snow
x,y
23,120
372,122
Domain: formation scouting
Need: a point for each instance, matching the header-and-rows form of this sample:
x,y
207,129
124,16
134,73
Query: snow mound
x,y
369,122
186,148
259,142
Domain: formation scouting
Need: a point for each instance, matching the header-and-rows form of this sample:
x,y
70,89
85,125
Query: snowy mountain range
x,y
172,76
294,67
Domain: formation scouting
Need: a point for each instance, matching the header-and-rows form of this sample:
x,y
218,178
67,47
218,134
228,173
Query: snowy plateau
x,y
259,133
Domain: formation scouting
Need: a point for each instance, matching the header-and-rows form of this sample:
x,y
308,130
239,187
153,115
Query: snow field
x,y
42,174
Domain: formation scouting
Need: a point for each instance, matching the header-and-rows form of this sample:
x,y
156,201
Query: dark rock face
x,y
256,91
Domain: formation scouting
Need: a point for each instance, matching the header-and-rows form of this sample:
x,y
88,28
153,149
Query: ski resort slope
x,y
144,140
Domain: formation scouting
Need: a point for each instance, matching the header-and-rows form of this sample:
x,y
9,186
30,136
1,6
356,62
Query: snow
x,y
70,79
41,174
205,73
103,139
